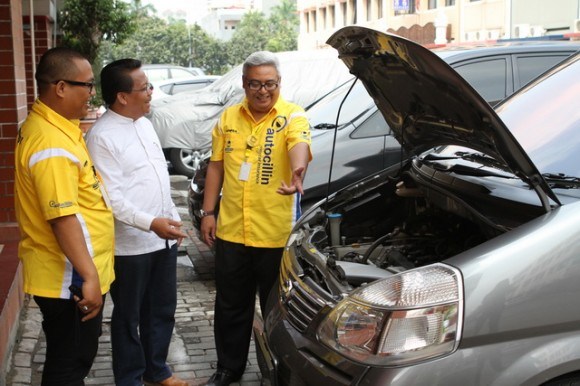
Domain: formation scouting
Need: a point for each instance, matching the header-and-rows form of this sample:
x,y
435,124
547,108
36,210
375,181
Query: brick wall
x,y
13,106
42,42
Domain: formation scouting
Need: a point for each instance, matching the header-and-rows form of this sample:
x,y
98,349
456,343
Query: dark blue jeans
x,y
240,271
144,295
71,345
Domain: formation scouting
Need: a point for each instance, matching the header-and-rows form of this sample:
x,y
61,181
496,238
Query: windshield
x,y
324,110
545,119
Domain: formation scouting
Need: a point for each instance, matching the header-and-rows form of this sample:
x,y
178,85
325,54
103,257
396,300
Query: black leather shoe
x,y
222,377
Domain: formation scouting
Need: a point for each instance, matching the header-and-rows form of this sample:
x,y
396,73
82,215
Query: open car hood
x,y
427,103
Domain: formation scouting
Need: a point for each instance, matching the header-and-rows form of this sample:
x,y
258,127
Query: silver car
x,y
460,265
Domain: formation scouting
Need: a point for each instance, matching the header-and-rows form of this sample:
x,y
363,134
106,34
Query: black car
x,y
364,143
457,266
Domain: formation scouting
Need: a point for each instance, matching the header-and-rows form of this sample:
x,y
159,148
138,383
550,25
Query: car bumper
x,y
289,357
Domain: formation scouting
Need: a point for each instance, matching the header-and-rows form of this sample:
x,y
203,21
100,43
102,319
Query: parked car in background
x,y
365,144
165,88
457,266
159,72
184,121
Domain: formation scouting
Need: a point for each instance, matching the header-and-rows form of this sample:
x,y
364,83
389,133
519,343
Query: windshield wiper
x,y
561,180
483,159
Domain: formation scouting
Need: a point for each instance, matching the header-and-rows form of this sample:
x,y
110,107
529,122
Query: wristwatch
x,y
203,213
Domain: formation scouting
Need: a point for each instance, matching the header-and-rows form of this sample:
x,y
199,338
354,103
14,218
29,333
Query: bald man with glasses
x,y
66,224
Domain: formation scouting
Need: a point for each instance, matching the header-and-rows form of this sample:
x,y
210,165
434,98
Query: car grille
x,y
302,306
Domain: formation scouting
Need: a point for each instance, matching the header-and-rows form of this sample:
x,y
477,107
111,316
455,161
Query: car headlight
x,y
411,316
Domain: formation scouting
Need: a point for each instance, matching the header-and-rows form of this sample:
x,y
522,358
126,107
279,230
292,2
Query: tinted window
x,y
531,66
545,119
488,77
325,110
372,127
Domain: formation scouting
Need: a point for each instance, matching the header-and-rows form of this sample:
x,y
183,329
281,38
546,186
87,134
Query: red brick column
x,y
13,104
13,110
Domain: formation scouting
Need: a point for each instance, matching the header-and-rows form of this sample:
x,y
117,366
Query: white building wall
x,y
469,20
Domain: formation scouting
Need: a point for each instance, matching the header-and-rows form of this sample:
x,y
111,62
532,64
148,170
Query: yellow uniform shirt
x,y
251,212
55,177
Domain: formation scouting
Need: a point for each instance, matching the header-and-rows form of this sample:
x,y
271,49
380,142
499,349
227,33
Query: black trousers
x,y
71,345
240,271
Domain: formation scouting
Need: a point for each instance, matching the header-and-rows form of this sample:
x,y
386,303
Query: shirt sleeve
x,y
111,171
217,142
298,130
55,175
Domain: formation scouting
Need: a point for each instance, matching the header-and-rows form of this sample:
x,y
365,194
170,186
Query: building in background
x,y
223,16
445,20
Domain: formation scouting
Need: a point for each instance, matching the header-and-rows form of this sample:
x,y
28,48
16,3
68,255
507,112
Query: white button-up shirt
x,y
130,160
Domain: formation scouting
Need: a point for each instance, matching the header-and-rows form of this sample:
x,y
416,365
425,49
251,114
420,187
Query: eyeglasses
x,y
256,85
89,85
148,88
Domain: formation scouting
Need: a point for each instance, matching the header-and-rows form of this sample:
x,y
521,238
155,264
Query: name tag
x,y
245,171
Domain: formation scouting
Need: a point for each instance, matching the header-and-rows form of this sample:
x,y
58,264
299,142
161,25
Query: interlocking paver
x,y
192,353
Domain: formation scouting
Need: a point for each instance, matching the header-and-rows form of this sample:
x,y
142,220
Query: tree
x,y
174,42
87,23
252,34
141,11
284,25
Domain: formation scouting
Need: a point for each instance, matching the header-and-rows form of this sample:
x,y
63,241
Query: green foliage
x,y
174,42
86,24
252,34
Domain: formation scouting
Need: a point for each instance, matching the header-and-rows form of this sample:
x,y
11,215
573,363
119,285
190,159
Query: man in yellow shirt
x,y
261,148
66,226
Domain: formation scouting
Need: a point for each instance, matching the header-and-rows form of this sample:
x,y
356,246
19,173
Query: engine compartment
x,y
398,225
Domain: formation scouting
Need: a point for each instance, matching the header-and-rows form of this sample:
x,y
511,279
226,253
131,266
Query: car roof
x,y
466,51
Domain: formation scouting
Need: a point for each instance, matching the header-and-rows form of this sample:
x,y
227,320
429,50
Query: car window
x,y
374,126
488,76
166,88
325,109
552,103
156,74
528,67
178,73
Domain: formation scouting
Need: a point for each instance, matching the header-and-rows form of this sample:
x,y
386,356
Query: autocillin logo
x,y
265,163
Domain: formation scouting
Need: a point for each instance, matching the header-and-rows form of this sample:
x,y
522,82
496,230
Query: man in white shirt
x,y
127,153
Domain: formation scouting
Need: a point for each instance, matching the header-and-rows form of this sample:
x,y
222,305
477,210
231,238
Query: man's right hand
x,y
92,302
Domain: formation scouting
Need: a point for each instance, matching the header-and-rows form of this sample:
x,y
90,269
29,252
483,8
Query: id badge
x,y
245,171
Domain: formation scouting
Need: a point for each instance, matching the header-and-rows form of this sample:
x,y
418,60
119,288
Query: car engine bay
x,y
393,226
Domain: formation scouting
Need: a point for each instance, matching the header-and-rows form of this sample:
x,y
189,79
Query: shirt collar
x,y
70,127
246,107
120,118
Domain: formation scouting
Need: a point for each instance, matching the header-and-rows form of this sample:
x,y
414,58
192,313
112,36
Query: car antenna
x,y
334,145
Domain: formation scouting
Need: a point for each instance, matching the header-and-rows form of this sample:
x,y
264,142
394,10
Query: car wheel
x,y
186,161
